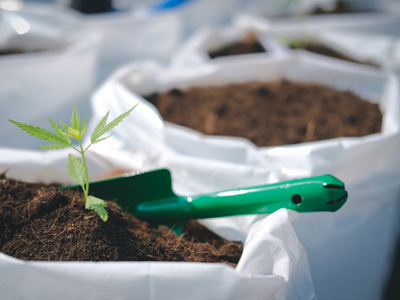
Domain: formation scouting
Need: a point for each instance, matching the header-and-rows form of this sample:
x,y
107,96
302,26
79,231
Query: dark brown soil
x,y
273,113
10,51
39,222
248,45
327,51
341,7
17,51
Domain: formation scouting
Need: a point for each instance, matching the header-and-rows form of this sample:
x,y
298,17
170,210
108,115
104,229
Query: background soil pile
x,y
341,7
321,49
273,113
248,45
39,222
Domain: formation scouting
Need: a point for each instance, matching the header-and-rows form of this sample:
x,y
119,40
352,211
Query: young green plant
x,y
77,167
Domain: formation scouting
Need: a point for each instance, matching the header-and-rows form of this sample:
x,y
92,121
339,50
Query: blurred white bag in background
x,y
142,32
195,14
378,21
58,69
127,38
375,49
196,50
279,8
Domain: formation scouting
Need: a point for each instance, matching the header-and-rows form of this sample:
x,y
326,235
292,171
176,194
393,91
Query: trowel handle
x,y
320,193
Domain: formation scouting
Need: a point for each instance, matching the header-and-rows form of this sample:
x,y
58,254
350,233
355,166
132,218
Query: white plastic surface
x,y
37,85
195,50
127,37
378,22
277,8
369,37
378,49
351,249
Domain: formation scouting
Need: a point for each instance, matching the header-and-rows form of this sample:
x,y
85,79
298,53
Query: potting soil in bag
x,y
205,109
370,49
352,248
373,49
122,238
273,264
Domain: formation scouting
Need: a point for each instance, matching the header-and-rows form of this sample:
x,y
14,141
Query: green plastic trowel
x,y
149,196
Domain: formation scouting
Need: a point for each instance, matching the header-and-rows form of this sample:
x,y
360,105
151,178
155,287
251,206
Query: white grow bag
x,y
127,37
368,22
277,8
373,48
195,13
273,265
42,84
351,249
381,50
195,50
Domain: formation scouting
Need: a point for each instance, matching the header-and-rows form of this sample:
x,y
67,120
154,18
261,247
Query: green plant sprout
x,y
77,168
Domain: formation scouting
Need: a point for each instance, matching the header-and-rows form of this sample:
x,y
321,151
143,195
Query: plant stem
x,y
86,170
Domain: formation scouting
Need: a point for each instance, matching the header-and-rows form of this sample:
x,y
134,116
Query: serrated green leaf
x,y
76,170
117,120
97,131
112,124
101,212
59,130
102,139
65,133
39,132
55,126
92,200
53,146
83,129
98,205
75,119
74,133
65,125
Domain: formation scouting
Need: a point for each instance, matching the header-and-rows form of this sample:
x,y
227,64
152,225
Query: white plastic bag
x,y
41,84
351,248
378,49
370,37
194,14
368,22
277,8
273,265
196,49
126,38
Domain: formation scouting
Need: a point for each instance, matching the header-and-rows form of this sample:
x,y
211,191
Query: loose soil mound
x,y
248,45
321,49
273,113
341,7
17,51
39,222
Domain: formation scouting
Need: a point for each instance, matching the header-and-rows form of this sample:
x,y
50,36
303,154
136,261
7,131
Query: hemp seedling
x,y
77,168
